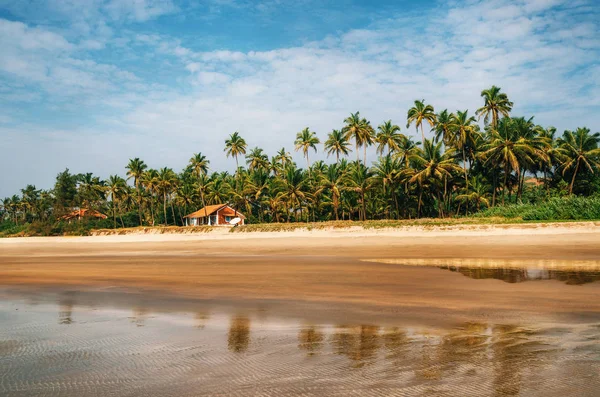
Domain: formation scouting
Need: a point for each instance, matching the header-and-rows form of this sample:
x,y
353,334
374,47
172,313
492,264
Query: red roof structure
x,y
84,213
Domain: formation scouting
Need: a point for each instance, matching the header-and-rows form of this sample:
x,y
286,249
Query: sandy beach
x,y
353,269
473,310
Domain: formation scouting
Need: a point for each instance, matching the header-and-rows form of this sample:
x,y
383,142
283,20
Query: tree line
x,y
462,169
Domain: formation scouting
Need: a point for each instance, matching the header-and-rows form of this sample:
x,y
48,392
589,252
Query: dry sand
x,y
349,271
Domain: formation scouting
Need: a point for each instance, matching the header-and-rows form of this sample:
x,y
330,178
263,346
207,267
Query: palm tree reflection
x,y
238,339
311,340
65,312
360,344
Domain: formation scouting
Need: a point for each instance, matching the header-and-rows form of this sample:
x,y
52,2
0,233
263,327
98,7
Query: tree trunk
x,y
419,203
494,187
466,180
165,207
336,204
365,154
152,209
505,179
139,202
422,135
364,206
114,214
574,176
173,213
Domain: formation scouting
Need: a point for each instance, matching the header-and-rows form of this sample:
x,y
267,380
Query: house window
x,y
227,219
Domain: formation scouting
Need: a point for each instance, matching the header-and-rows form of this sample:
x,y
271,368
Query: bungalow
x,y
214,215
83,213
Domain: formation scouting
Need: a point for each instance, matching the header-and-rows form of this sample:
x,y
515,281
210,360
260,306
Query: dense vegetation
x,y
509,166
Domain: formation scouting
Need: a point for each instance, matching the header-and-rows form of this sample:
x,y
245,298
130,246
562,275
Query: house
x,y
83,213
214,215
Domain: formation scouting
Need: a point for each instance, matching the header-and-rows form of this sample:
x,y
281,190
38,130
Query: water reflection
x,y
475,358
515,275
311,340
66,304
359,343
238,338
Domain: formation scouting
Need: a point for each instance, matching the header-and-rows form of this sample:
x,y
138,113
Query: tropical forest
x,y
482,164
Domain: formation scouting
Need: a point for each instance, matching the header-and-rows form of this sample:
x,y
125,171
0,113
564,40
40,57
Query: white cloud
x,y
542,57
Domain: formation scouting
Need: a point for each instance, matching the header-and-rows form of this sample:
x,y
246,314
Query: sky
x,y
89,84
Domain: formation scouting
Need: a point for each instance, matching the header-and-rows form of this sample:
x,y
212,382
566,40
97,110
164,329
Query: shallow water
x,y
64,344
519,275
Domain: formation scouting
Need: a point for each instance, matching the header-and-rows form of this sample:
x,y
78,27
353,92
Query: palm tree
x,y
337,143
199,165
419,113
166,183
283,157
431,166
443,127
150,181
496,103
293,188
479,194
235,146
218,190
388,173
361,130
135,170
359,180
115,187
463,129
506,148
333,180
257,159
388,135
550,150
305,140
579,149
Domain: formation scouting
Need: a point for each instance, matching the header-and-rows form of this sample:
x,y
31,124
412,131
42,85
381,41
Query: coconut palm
x,y
420,113
135,170
283,158
115,187
463,129
507,149
167,184
496,104
150,181
361,131
579,150
359,180
257,159
293,189
388,136
443,127
218,190
235,146
305,140
432,166
387,172
333,180
337,142
478,195
199,166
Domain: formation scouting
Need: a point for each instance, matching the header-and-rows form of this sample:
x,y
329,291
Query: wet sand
x,y
323,315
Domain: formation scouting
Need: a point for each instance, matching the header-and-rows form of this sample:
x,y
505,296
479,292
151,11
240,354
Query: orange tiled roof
x,y
83,212
209,210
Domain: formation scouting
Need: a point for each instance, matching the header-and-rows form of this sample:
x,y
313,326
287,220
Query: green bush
x,y
555,209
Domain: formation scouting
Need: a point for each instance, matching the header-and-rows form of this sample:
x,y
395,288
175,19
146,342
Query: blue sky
x,y
88,84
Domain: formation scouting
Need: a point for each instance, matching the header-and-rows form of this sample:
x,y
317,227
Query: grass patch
x,y
572,208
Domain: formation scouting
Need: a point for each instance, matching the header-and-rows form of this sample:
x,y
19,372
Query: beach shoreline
x,y
158,234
